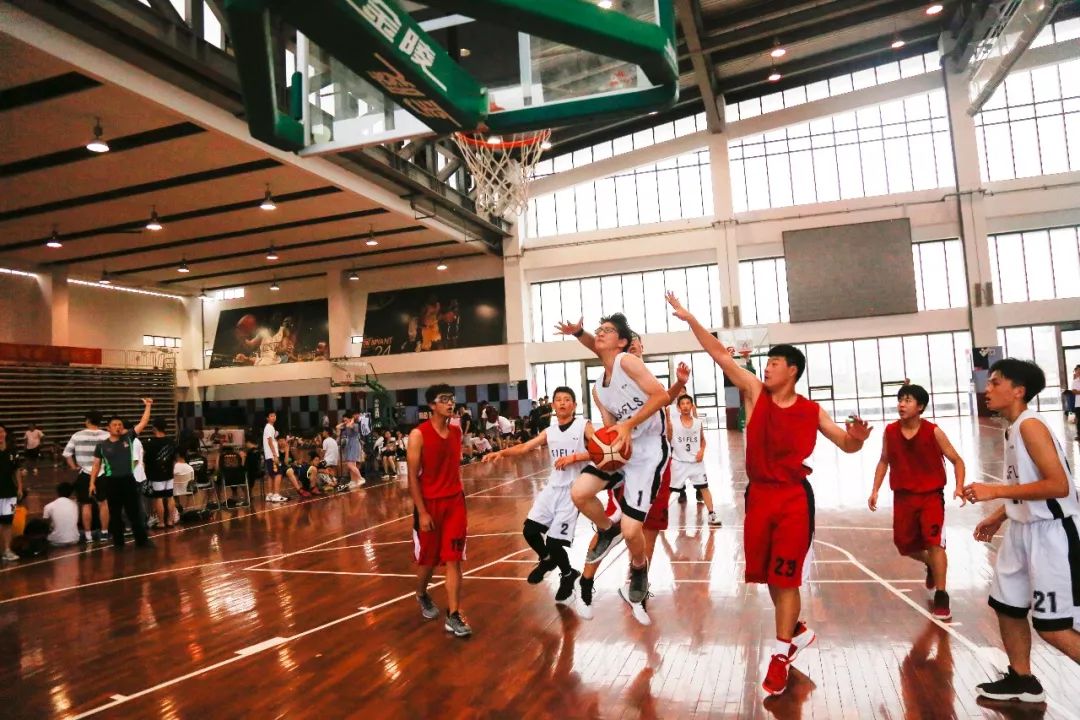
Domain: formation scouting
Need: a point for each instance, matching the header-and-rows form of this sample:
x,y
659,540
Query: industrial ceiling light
x,y
105,279
441,266
271,254
778,51
155,222
274,286
604,4
935,9
98,144
205,296
545,145
371,241
183,267
54,239
268,200
775,75
897,43
353,276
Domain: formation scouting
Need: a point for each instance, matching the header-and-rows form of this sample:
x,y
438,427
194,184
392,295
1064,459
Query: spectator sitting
x,y
389,455
63,516
183,480
481,446
303,475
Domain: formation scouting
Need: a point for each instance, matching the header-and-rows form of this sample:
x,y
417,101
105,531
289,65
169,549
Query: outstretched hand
x,y
859,428
677,307
682,373
566,328
491,457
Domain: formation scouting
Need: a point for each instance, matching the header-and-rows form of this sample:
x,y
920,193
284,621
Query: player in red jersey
x,y
439,520
913,453
779,527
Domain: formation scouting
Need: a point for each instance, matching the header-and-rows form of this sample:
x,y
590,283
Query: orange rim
x,y
482,141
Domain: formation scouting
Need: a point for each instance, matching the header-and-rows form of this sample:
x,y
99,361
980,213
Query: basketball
x,y
247,324
601,454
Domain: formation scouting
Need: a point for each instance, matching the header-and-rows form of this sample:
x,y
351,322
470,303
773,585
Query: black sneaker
x,y
638,588
941,606
565,594
1013,686
605,540
542,568
455,623
586,590
428,608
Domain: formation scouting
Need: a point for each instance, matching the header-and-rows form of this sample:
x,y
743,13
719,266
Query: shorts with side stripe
x,y
1038,571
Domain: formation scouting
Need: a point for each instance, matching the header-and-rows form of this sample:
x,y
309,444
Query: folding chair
x,y
234,475
203,482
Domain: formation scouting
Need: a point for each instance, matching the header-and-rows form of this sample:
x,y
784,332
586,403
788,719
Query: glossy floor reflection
x,y
306,610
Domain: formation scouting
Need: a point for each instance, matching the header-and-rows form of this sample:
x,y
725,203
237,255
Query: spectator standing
x,y
33,436
79,454
62,515
331,453
160,458
271,457
114,460
353,455
11,490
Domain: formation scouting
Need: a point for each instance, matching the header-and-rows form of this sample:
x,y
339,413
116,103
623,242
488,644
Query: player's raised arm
x,y
850,440
1053,482
682,375
742,378
578,331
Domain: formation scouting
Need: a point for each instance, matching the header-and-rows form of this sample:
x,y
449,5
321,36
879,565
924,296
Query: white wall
x,y
24,313
104,318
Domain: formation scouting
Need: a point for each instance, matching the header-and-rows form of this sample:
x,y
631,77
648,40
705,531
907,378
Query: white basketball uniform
x,y
640,477
553,507
1038,564
685,445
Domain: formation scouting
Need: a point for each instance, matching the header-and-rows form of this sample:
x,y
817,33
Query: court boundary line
x,y
969,644
236,657
383,524
129,577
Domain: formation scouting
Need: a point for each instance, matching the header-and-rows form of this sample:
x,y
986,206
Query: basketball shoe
x,y
802,638
1013,686
584,607
565,593
777,675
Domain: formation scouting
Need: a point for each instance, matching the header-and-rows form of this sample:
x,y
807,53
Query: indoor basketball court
x,y
577,359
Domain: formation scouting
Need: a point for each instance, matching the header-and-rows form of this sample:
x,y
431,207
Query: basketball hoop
x,y
744,341
502,166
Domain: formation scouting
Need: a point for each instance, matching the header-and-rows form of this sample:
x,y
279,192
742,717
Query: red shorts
x,y
446,542
657,519
918,519
777,532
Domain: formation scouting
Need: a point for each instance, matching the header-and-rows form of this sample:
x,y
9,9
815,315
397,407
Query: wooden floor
x,y
306,611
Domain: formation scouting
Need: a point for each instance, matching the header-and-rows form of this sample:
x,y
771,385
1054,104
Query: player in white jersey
x,y
687,437
549,528
631,402
1038,563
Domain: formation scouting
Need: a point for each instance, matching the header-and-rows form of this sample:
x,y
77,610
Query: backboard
x,y
529,80
745,341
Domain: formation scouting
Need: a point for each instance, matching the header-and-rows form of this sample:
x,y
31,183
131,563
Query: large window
x,y
639,296
620,145
672,189
1038,343
838,85
895,147
940,282
1031,124
1036,265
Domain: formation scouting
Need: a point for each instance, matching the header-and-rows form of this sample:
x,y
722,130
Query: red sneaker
x,y
803,638
941,606
777,676
316,491
305,494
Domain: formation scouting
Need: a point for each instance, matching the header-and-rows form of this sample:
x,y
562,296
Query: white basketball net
x,y
502,168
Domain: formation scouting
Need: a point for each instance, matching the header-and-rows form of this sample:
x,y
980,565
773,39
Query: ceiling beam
x,y
142,188
140,223
231,235
850,58
689,14
322,260
800,27
116,145
282,249
44,90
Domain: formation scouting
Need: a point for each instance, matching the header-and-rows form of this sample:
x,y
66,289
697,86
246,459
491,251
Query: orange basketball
x,y
247,324
601,454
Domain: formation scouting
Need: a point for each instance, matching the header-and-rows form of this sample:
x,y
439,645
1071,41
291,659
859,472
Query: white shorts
x,y
640,478
162,486
554,509
1038,569
688,473
7,506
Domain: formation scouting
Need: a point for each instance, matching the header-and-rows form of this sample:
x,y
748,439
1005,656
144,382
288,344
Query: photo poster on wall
x,y
439,317
272,334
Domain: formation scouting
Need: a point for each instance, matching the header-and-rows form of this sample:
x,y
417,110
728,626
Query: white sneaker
x,y
271,497
637,609
10,556
151,522
714,520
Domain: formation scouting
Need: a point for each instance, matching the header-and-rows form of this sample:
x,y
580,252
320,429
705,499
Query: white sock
x,y
782,647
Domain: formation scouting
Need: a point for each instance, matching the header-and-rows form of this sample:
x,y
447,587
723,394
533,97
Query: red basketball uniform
x,y
917,478
657,519
779,526
444,498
